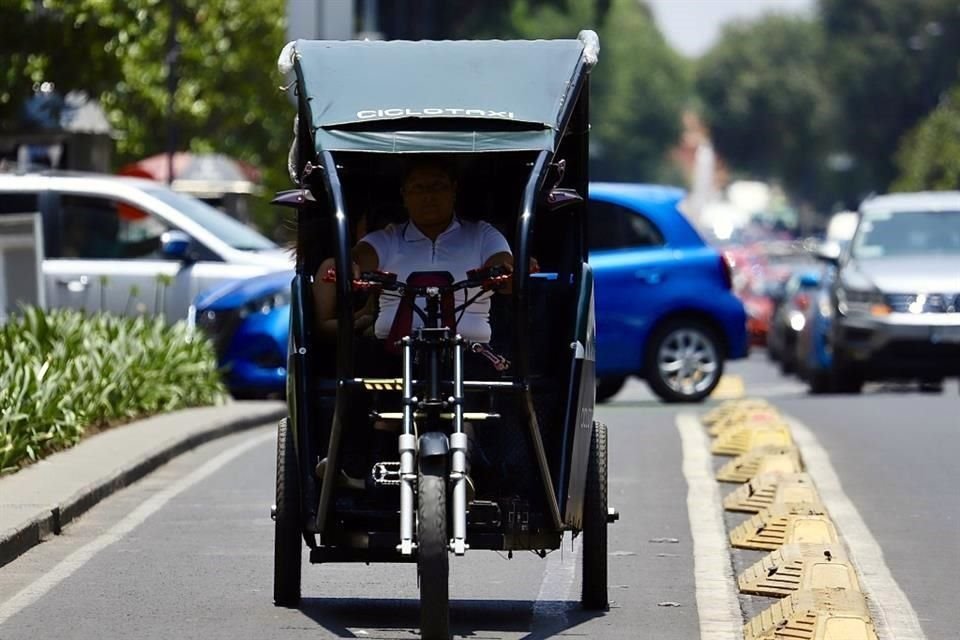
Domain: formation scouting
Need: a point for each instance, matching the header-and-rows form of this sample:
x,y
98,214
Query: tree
x,y
764,98
889,62
639,87
929,156
227,97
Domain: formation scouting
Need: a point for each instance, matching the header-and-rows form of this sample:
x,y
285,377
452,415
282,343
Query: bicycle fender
x,y
433,443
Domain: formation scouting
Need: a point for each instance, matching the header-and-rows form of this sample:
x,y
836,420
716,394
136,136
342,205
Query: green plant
x,y
63,372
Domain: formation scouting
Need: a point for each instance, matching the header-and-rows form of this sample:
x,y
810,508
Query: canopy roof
x,y
400,96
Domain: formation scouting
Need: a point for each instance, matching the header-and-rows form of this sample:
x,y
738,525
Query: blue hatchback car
x,y
249,323
664,307
665,311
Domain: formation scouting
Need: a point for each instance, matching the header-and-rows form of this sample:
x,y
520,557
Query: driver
x,y
434,238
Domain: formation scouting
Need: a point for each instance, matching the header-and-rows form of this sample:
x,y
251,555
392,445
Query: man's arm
x,y
325,293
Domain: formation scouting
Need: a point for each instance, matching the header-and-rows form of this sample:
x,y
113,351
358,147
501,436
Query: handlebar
x,y
485,278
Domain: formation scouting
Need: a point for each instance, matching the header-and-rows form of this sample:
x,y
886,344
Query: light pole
x,y
173,53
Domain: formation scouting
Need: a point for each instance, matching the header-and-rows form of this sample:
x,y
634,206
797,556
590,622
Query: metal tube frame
x,y
521,320
408,454
344,271
458,462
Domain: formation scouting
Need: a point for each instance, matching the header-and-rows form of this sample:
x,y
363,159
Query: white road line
x,y
717,605
556,588
892,612
69,565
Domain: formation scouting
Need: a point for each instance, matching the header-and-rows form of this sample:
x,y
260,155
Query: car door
x,y
630,261
108,257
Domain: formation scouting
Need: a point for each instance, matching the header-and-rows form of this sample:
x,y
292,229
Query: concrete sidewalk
x,y
41,499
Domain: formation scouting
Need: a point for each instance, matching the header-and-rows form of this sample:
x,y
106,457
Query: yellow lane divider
x,y
804,523
799,567
807,567
729,387
747,437
768,459
820,614
768,489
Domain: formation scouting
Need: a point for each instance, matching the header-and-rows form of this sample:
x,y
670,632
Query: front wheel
x,y
593,595
684,361
433,563
288,540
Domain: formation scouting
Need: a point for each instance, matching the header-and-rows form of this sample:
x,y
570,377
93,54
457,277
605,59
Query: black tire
x,y
288,539
433,562
593,594
845,378
819,382
663,336
609,387
931,386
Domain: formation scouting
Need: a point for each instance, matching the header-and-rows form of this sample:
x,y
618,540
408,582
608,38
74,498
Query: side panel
x,y
578,422
298,396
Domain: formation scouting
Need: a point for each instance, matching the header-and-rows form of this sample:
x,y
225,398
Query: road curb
x,y
48,519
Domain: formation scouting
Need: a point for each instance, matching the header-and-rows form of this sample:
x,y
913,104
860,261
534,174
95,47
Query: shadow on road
x,y
400,618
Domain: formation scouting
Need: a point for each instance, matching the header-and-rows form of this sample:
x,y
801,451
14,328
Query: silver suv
x,y
131,246
897,292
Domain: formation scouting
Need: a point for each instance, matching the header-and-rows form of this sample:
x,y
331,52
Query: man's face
x,y
428,195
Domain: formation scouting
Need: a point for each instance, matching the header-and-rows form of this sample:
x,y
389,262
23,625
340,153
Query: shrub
x,y
63,372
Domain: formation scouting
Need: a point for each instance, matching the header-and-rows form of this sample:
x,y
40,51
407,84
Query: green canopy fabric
x,y
400,96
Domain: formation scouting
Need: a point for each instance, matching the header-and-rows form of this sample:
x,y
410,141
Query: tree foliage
x,y
929,157
765,100
639,87
889,62
227,96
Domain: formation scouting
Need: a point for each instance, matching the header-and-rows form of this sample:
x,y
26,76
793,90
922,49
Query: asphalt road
x,y
167,558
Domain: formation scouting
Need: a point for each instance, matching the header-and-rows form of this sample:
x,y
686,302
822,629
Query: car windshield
x,y
906,233
231,231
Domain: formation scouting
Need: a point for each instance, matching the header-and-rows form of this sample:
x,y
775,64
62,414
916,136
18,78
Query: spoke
x,y
707,367
671,367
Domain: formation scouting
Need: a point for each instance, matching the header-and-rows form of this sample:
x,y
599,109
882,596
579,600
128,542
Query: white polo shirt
x,y
403,249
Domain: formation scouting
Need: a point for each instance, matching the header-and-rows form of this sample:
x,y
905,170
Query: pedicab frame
x,y
522,104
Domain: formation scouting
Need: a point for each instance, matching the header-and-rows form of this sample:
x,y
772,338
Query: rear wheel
x,y
288,540
593,595
433,562
684,361
609,387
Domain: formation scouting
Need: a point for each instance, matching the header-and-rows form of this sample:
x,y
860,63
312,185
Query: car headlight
x,y
266,304
797,320
862,302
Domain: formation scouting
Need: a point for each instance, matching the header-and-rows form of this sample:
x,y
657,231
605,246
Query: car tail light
x,y
802,301
726,270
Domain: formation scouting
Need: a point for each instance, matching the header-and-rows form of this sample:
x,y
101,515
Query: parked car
x,y
789,316
896,296
814,354
131,246
665,310
249,323
663,302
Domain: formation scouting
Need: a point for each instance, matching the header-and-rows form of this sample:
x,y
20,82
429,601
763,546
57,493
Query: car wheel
x,y
845,378
684,361
609,387
934,385
819,382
